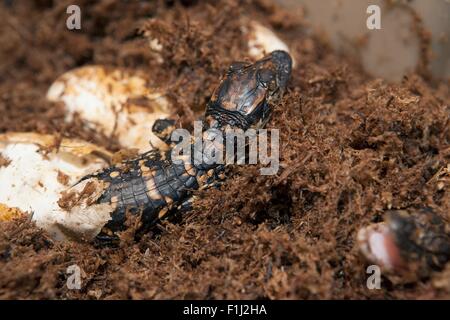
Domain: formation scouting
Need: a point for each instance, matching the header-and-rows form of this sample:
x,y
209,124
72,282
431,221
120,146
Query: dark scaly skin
x,y
153,185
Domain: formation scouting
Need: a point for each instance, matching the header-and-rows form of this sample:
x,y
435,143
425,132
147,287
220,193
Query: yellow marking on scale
x,y
114,174
163,212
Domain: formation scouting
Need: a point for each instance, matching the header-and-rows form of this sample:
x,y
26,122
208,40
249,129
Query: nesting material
x,y
113,101
39,170
261,41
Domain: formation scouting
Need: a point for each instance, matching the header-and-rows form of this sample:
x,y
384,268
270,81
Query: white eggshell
x,y
37,172
103,98
263,40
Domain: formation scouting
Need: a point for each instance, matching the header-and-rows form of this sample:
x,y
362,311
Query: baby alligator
x,y
153,185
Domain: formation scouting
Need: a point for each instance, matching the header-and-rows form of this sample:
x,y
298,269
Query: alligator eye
x,y
236,66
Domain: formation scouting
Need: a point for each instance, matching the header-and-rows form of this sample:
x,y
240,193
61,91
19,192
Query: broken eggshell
x,y
113,101
38,170
262,40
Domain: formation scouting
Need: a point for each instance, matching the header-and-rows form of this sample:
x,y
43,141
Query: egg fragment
x,y
262,40
113,101
38,170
